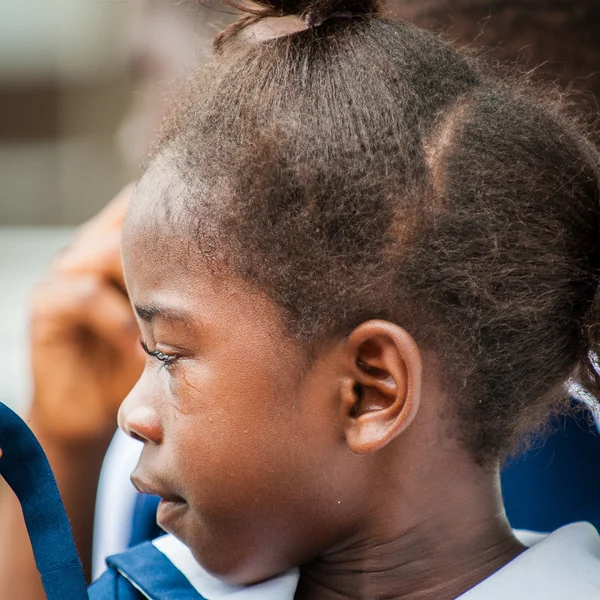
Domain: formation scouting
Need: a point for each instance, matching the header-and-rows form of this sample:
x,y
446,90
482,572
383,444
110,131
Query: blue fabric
x,y
113,586
152,572
144,526
559,482
25,468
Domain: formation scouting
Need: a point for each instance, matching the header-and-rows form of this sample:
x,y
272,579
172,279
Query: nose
x,y
138,417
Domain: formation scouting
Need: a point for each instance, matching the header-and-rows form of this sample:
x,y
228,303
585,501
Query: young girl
x,y
364,269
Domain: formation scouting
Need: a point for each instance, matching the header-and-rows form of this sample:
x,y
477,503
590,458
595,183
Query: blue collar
x,y
153,574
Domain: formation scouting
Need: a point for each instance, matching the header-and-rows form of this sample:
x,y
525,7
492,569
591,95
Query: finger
x,y
109,316
61,306
110,217
100,257
96,245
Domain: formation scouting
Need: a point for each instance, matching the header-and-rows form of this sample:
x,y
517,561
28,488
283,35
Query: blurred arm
x,y
85,357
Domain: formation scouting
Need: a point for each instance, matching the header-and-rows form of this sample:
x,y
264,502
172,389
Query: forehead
x,y
156,210
157,246
164,267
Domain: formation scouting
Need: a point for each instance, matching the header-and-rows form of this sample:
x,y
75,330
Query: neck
x,y
439,553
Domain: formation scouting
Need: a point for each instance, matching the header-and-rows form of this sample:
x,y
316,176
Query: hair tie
x,y
313,19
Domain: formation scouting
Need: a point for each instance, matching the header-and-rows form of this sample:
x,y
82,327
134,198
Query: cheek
x,y
259,462
241,441
235,445
229,423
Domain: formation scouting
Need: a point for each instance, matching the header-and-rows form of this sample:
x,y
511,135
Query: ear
x,y
381,391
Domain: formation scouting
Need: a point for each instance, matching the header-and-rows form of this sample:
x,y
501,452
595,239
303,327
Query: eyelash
x,y
166,359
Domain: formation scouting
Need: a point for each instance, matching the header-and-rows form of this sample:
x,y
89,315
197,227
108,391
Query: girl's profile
x,y
365,269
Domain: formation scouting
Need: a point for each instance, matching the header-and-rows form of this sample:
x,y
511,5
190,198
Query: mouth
x,y
171,509
169,513
151,489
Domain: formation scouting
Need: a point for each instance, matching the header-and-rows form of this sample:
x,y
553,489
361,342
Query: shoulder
x,y
143,572
563,564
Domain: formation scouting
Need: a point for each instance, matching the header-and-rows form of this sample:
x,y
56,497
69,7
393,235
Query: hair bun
x,y
313,12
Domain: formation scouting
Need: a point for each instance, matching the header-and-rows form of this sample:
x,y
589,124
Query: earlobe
x,y
381,391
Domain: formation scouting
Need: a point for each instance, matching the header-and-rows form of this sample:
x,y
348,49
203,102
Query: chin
x,y
231,556
233,562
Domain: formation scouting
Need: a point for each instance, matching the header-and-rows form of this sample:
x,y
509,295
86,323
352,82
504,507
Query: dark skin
x,y
345,464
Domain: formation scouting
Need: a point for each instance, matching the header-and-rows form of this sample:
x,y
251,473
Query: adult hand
x,y
85,350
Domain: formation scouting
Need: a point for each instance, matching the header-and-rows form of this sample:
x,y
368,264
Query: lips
x,y
169,514
154,489
171,509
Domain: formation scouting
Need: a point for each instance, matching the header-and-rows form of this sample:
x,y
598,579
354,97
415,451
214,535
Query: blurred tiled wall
x,y
63,89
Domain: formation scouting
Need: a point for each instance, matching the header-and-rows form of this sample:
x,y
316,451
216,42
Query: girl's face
x,y
242,437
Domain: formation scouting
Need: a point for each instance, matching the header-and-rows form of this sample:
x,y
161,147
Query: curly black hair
x,y
363,168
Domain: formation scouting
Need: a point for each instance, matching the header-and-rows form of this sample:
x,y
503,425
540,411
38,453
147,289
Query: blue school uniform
x,y
557,482
154,575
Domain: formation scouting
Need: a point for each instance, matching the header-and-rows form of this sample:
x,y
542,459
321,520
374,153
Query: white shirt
x,y
278,588
564,565
115,501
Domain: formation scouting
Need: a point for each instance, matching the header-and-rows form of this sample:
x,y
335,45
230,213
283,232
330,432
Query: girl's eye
x,y
166,359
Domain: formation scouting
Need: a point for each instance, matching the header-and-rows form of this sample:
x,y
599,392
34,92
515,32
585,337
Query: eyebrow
x,y
149,313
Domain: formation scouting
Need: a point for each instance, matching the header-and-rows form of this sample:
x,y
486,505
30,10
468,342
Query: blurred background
x,y
82,87
63,92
